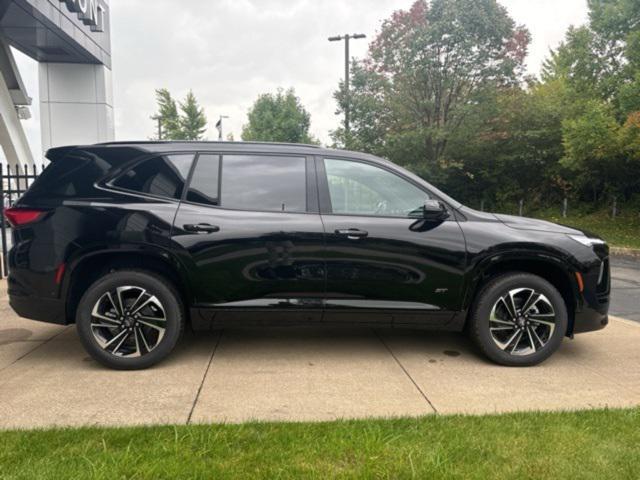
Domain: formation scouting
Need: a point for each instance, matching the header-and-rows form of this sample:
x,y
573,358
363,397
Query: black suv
x,y
134,241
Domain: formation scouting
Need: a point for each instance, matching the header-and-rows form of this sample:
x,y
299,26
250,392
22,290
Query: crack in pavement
x,y
204,377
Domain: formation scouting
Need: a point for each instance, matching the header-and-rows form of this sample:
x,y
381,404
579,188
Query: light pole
x,y
347,102
219,126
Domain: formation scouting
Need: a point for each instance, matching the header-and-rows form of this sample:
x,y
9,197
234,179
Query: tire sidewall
x,y
490,295
154,285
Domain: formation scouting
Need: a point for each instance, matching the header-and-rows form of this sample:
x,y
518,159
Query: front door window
x,y
360,189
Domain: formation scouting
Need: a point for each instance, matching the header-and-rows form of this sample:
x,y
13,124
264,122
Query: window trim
x,y
194,165
326,207
311,185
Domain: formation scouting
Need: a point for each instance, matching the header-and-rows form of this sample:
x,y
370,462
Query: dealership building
x,y
71,41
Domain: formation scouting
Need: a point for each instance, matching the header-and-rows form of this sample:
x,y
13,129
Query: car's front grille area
x,y
604,277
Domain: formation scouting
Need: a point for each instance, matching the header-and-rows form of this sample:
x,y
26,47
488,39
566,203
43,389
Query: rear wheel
x,y
130,320
519,319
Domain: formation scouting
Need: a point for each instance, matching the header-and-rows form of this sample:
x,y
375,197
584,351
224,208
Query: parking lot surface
x,y
302,374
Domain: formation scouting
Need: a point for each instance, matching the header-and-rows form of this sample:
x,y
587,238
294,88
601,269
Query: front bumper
x,y
590,321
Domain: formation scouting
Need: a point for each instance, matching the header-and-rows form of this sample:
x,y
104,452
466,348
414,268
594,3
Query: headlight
x,y
587,241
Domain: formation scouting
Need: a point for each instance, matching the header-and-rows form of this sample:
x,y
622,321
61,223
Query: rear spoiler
x,y
54,154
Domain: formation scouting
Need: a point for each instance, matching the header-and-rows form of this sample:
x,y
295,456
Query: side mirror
x,y
435,211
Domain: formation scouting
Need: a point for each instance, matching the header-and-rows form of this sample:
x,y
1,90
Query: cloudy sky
x,y
230,51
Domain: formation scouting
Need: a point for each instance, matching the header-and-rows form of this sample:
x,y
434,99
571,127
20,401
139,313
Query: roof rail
x,y
168,142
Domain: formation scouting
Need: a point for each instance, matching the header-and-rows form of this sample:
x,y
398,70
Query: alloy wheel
x,y
522,322
128,321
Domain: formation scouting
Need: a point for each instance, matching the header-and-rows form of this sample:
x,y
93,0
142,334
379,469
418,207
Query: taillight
x,y
19,217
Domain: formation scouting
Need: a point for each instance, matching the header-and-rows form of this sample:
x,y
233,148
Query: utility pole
x,y
219,126
347,103
158,118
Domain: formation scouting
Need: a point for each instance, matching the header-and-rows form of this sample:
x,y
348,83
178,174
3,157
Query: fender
x,y
140,250
480,265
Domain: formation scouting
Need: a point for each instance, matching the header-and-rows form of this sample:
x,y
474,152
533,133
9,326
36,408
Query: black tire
x,y
490,296
169,301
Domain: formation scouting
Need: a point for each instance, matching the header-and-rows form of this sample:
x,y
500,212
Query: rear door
x,y
250,232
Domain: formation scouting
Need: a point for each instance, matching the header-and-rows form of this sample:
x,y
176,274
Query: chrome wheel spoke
x,y
498,329
115,339
541,322
155,323
119,295
153,303
535,335
516,342
143,292
140,333
113,321
531,342
124,339
509,305
531,301
116,307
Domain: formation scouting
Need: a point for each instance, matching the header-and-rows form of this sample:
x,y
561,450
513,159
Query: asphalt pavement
x,y
625,288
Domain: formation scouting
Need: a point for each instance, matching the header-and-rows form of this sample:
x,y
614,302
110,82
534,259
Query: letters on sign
x,y
91,12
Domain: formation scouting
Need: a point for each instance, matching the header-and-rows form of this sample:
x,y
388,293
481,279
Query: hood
x,y
522,223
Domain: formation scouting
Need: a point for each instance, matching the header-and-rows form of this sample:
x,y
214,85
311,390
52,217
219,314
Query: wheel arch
x,y
86,269
549,267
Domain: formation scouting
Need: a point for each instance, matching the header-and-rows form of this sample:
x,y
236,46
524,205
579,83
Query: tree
x,y
170,128
591,146
188,123
424,70
278,117
600,65
193,121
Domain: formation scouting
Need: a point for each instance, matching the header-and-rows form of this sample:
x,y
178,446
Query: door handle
x,y
352,233
201,228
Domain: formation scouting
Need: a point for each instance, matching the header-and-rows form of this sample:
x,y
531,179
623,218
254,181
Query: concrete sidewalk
x,y
302,374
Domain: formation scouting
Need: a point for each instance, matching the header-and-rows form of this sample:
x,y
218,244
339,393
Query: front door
x,y
385,263
252,238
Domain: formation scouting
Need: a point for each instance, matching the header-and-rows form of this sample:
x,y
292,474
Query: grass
x,y
588,445
624,231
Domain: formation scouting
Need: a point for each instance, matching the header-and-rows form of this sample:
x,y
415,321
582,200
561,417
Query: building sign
x,y
91,12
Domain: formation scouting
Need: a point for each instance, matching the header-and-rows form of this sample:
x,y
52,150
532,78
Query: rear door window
x,y
250,182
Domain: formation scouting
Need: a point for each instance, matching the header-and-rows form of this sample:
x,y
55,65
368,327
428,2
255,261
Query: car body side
x,y
90,232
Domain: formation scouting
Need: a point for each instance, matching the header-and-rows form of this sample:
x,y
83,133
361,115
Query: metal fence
x,y
13,183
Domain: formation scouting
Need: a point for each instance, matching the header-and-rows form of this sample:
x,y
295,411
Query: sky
x,y
230,51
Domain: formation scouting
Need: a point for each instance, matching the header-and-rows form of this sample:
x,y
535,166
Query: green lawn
x,y
585,445
624,231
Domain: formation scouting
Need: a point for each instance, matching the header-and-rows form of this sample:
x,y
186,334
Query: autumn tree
x,y
424,70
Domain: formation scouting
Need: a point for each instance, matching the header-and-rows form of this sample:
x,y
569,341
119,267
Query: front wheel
x,y
519,319
130,320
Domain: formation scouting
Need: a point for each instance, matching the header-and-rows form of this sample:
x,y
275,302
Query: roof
x,y
261,147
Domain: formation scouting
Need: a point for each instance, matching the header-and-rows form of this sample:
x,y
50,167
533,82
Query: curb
x,y
624,321
625,252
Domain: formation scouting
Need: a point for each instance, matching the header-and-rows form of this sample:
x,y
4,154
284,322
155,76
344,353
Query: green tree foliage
x,y
278,117
425,68
167,115
442,92
193,122
187,123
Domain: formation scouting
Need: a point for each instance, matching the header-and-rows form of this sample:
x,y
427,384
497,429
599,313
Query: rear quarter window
x,y
70,176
